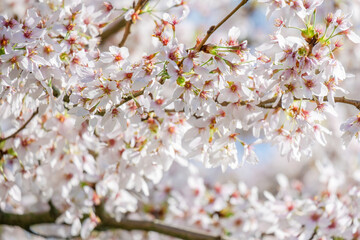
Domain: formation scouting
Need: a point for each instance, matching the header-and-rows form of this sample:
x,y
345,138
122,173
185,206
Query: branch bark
x,y
111,30
25,221
213,28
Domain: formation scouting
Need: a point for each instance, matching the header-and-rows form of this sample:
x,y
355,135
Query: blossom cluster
x,y
243,212
99,126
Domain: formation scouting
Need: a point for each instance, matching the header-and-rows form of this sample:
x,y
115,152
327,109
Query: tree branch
x,y
128,98
213,28
46,236
22,127
111,30
155,226
25,221
345,100
139,5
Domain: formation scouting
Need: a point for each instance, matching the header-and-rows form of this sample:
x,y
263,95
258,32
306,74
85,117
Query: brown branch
x,y
213,28
314,233
25,221
139,5
132,96
345,100
111,30
264,104
45,236
155,226
22,127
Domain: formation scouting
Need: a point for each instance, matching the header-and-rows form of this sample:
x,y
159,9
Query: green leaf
x,y
2,51
12,152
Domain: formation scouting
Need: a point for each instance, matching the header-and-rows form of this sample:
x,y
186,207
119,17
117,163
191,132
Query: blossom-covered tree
x,y
111,111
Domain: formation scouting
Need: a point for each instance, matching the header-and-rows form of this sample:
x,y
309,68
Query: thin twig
x,y
132,96
22,127
345,100
314,233
45,236
213,28
267,103
139,5
264,104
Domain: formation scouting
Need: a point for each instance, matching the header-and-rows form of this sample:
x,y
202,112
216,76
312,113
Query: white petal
x,y
234,33
15,193
78,111
353,37
76,227
286,100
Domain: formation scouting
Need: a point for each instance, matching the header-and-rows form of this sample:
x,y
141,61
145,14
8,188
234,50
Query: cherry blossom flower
x,y
351,128
115,55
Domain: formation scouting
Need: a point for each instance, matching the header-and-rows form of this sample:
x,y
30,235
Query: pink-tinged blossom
x,y
341,21
249,155
234,92
234,34
88,225
5,39
351,128
88,20
115,55
311,5
313,86
351,35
